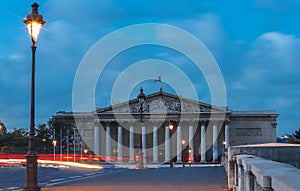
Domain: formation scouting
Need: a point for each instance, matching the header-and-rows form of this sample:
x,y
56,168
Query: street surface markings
x,y
69,179
57,180
73,178
13,188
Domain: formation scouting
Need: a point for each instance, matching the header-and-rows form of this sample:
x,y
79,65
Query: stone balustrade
x,y
259,167
252,173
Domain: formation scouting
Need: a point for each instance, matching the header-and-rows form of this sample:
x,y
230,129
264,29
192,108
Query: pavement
x,y
205,178
13,178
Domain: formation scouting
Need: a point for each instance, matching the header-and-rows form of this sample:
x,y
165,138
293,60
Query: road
x,y
13,178
161,179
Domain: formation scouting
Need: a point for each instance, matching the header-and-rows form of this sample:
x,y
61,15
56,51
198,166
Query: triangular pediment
x,y
162,102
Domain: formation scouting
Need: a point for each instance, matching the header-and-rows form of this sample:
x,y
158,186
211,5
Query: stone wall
x,y
252,127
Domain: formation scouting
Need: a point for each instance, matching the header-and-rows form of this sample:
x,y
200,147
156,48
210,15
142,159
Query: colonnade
x,y
190,127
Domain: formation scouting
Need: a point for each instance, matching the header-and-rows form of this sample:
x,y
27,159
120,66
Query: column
x,y
131,144
96,139
108,145
167,144
227,133
144,141
155,144
203,142
191,139
249,181
215,142
241,178
120,153
179,144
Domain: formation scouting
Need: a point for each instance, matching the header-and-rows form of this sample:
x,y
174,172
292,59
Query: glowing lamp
x,y
34,22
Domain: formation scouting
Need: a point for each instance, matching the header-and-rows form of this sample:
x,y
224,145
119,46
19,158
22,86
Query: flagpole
x,y
81,145
53,142
74,144
60,142
160,83
158,80
68,144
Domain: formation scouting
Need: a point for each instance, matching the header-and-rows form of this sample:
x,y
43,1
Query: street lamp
x,y
1,126
34,22
171,127
142,99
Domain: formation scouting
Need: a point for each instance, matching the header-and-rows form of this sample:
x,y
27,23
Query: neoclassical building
x,y
116,133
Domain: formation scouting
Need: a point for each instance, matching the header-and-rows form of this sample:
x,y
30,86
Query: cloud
x,y
238,85
269,77
272,51
118,12
259,61
279,6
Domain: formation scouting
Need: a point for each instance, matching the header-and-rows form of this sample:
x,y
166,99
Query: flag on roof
x,y
158,79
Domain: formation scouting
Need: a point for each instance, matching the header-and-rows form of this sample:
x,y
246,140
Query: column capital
x,y
97,122
191,122
131,123
227,122
179,125
216,121
155,123
203,122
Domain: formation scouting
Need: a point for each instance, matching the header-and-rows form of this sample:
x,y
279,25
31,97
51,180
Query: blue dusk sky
x,y
256,44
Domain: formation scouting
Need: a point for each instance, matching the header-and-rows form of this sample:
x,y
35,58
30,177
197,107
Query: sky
x,y
255,43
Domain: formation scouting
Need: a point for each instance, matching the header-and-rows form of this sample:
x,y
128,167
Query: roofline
x,y
223,109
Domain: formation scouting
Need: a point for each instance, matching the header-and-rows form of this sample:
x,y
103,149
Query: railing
x,y
250,173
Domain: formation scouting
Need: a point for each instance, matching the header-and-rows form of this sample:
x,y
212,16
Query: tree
x,y
43,138
15,141
297,134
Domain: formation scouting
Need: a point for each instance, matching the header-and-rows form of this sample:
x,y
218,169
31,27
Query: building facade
x,y
118,132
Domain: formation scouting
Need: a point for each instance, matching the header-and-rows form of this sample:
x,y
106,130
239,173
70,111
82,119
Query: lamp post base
x,y
31,173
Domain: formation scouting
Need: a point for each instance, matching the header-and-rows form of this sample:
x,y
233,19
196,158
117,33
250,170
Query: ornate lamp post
x,y
34,22
142,99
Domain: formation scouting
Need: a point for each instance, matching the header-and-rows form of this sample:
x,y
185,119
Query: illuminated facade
x,y
208,130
